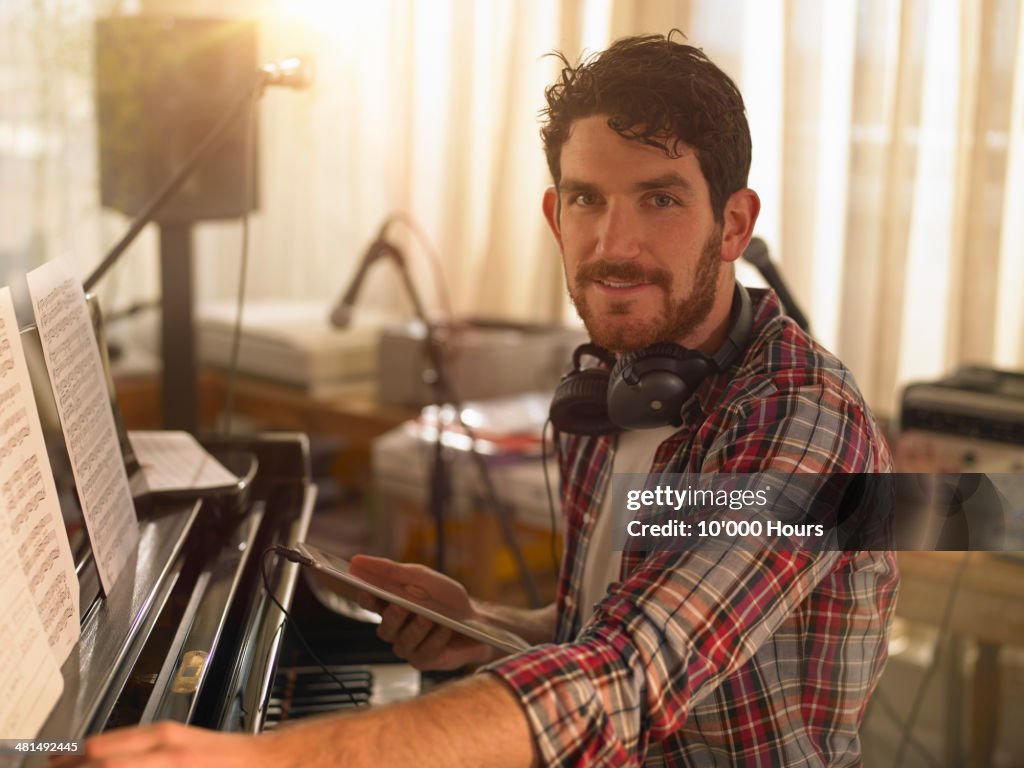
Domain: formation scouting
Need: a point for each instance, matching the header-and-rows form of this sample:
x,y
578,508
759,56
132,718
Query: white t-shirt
x,y
634,454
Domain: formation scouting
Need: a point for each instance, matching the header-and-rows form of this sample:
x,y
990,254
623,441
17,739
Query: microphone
x,y
757,254
341,315
293,72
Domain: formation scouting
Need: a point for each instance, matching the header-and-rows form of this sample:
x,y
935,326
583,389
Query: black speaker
x,y
161,85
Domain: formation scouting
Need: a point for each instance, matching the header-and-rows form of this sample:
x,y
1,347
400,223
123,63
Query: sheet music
x,y
30,680
29,508
79,387
175,461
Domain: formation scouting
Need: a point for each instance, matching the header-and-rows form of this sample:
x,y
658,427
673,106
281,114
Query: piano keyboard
x,y
304,691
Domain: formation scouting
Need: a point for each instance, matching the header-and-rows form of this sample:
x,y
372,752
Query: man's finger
x,y
369,567
427,655
392,619
413,632
136,739
391,575
135,746
370,603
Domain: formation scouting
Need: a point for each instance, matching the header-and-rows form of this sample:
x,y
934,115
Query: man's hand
x,y
475,721
421,642
171,744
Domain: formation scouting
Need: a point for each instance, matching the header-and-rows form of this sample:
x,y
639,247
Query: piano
x,y
190,631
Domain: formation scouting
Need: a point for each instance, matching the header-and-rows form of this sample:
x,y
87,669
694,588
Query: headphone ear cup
x,y
647,388
580,404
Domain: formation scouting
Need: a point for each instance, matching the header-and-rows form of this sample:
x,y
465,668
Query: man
x,y
704,656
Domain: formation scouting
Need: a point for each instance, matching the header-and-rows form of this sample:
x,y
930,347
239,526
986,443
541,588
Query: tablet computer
x,y
338,568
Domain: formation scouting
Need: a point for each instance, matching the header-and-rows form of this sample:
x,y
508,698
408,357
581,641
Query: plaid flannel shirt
x,y
721,655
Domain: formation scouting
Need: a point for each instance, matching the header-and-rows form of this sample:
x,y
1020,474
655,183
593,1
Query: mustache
x,y
622,272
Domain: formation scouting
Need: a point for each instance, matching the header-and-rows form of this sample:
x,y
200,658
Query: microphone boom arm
x,y
756,253
293,72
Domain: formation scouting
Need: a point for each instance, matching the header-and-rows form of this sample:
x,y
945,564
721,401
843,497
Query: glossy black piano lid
x,y
177,594
56,449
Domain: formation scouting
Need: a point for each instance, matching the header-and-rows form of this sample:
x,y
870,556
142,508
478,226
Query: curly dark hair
x,y
659,92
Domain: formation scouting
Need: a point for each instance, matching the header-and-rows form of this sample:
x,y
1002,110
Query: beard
x,y
614,331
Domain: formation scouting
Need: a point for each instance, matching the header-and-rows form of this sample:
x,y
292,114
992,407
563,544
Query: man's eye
x,y
585,198
662,201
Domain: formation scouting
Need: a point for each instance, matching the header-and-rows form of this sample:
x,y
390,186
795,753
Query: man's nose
x,y
618,233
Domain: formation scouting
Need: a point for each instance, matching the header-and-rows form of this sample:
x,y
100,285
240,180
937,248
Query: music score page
x,y
30,515
86,416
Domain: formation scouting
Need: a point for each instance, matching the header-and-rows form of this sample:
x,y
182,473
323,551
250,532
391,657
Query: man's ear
x,y
739,217
552,213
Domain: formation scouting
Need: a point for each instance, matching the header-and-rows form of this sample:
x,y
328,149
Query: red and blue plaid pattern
x,y
721,655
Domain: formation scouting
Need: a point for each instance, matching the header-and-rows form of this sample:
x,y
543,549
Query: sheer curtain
x,y
888,138
887,141
887,153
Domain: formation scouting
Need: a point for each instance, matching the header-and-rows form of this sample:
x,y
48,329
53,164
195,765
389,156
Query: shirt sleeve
x,y
685,620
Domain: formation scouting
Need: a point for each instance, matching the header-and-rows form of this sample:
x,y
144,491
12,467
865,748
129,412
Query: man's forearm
x,y
535,625
476,721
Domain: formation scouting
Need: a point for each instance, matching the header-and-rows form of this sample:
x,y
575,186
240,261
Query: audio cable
x,y
556,443
296,557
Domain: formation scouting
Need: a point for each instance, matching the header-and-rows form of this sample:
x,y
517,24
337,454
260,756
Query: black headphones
x,y
647,387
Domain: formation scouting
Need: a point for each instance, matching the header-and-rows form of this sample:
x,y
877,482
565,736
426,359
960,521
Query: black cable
x,y
287,622
922,688
555,564
236,336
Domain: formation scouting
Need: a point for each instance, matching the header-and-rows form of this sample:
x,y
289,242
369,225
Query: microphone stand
x,y
439,484
756,253
179,379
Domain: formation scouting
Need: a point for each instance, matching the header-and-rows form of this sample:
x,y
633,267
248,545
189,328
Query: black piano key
x,y
294,709
337,669
287,674
302,691
316,687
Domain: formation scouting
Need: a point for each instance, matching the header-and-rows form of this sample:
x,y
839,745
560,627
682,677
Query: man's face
x,y
641,248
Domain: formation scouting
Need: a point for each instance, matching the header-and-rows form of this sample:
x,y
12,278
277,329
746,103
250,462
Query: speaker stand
x,y
180,386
